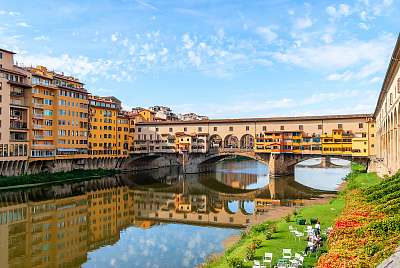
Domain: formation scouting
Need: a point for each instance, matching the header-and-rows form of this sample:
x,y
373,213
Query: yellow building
x,y
338,142
124,139
103,113
372,138
59,112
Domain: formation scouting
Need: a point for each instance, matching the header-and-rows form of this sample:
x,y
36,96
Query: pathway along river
x,y
152,219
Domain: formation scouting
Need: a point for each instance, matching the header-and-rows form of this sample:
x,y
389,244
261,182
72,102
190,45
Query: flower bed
x,y
368,230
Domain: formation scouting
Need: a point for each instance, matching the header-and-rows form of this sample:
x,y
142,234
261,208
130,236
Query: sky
x,y
223,59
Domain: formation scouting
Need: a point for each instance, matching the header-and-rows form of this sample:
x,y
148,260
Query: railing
x,y
18,125
36,126
17,102
38,115
16,94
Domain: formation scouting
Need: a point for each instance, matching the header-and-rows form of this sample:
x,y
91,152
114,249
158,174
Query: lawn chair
x,y
267,258
287,253
299,235
257,264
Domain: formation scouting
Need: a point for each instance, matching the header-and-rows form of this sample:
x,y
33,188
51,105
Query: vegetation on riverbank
x,y
368,229
364,209
55,177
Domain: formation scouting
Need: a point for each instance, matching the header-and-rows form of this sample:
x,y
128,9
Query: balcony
x,y
18,125
18,102
38,137
37,105
37,115
17,94
36,126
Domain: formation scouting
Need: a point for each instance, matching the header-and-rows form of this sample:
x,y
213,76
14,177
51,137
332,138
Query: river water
x,y
151,219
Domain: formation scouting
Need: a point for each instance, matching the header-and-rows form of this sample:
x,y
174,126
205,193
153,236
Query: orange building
x,y
59,112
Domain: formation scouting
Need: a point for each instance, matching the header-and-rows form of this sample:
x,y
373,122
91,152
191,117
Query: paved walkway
x,y
393,261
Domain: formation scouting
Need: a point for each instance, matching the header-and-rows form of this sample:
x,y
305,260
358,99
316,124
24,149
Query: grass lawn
x,y
326,214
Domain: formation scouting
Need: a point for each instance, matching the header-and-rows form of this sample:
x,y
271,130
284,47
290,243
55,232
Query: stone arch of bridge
x,y
247,142
215,141
231,141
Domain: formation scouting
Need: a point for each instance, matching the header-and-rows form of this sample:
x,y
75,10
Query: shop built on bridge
x,y
280,142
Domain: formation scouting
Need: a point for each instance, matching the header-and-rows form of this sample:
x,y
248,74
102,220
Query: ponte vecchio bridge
x,y
280,142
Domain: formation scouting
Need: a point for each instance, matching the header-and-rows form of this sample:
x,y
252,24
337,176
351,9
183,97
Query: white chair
x,y
287,253
297,256
267,258
257,264
301,260
294,264
299,235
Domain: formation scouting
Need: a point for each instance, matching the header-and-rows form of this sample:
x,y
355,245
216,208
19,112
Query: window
x,y
185,129
170,129
156,129
1,85
340,126
282,127
215,128
264,128
301,127
1,55
247,128
319,126
391,98
360,125
230,128
199,129
398,85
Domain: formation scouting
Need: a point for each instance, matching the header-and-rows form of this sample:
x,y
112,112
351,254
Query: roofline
x,y
393,64
8,51
254,120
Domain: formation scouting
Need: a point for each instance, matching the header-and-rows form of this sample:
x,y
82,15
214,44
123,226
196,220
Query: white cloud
x,y
41,38
363,26
303,23
23,24
342,10
375,79
266,33
80,66
340,76
187,41
364,57
291,12
114,37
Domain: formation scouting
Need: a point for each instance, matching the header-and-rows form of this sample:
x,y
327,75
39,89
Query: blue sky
x,y
214,57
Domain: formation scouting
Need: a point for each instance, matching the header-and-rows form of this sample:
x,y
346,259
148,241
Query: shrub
x,y
301,221
370,250
313,221
250,252
257,242
235,261
287,218
260,227
268,235
273,228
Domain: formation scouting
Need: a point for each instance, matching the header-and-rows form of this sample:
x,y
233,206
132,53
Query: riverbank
x,y
46,178
273,236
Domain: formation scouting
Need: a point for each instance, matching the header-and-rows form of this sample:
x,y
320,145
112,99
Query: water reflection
x,y
155,219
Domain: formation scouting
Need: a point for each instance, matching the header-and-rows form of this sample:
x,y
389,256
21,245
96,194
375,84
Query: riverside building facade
x,y
14,114
50,122
387,113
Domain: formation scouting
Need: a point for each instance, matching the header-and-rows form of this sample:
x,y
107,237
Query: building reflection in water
x,y
58,225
